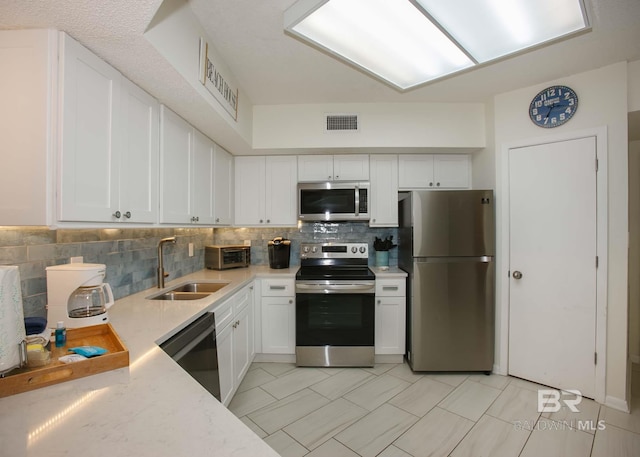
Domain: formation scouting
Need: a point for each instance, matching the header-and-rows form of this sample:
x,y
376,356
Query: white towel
x,y
12,331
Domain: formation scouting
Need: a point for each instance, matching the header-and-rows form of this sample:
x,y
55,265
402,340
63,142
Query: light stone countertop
x,y
388,272
152,408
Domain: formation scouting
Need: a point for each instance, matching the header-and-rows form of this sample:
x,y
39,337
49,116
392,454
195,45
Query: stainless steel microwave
x,y
333,201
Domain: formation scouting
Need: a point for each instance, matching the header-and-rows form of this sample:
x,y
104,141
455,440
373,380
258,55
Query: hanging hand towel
x,y
12,331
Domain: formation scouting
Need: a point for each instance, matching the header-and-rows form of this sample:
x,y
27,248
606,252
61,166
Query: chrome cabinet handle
x,y
430,184
127,214
117,214
517,275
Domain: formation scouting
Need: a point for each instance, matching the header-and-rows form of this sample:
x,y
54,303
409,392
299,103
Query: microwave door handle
x,y
357,201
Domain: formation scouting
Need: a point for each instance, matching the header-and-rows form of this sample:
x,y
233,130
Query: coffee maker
x,y
77,295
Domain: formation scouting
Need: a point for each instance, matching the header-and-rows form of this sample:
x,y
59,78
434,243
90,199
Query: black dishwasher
x,y
194,348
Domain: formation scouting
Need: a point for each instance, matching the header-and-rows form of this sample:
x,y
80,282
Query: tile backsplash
x,y
308,232
131,254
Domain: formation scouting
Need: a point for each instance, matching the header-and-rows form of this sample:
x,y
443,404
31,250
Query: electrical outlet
x,y
247,242
78,259
190,249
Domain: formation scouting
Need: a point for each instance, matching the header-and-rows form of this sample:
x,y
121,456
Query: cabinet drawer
x,y
244,298
224,314
278,288
391,287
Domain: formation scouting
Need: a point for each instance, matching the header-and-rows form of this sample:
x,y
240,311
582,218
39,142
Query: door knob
x,y
517,275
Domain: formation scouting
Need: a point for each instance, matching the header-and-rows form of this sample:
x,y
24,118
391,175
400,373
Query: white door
x,y
552,307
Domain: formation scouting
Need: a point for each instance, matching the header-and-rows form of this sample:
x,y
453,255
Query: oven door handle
x,y
336,288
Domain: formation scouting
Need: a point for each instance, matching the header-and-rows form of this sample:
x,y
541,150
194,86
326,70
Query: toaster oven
x,y
222,257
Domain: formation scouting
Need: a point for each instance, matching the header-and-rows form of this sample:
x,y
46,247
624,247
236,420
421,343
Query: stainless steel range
x,y
335,308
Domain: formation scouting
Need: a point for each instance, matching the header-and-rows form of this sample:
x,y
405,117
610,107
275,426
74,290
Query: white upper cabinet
x,y
195,175
88,174
452,171
175,168
222,187
434,171
348,167
202,179
139,158
108,149
313,168
280,190
27,59
265,191
383,199
351,167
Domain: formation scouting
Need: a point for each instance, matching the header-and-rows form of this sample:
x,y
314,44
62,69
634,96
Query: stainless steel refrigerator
x,y
446,243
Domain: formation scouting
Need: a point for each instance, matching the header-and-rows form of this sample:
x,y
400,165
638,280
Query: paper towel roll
x,y
12,332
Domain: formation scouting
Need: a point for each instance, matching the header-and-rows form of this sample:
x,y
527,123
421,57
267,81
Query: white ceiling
x,y
273,68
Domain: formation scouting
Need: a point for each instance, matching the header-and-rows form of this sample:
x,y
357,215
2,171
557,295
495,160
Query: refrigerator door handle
x,y
479,259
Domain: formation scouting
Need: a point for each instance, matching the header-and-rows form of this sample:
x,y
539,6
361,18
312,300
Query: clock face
x,y
553,106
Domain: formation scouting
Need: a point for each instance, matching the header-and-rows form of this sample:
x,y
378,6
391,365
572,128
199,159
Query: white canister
x,y
12,331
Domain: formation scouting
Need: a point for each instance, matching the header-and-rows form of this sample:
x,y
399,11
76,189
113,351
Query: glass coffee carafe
x,y
89,301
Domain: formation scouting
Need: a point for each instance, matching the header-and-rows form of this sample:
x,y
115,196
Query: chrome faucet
x,y
161,274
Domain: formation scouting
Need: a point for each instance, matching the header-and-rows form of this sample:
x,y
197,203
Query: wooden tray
x,y
103,335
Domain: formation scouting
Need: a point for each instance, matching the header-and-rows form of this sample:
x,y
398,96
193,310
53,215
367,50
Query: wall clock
x,y
553,106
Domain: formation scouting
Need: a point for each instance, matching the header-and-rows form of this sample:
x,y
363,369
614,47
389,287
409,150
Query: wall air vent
x,y
341,123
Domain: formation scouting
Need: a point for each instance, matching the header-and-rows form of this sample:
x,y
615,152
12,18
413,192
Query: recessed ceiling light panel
x,y
489,29
407,43
390,39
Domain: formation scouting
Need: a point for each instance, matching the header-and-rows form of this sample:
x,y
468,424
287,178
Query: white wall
x,y
484,162
175,32
602,103
384,125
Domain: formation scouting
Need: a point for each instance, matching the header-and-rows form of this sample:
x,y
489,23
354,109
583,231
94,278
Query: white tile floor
x,y
389,411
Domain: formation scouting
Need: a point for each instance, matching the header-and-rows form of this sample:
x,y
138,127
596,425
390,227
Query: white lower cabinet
x,y
278,305
234,340
390,316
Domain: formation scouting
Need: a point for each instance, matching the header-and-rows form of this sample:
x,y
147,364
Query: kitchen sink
x,y
180,296
189,291
204,287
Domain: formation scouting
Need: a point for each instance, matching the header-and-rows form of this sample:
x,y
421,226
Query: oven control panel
x,y
334,251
